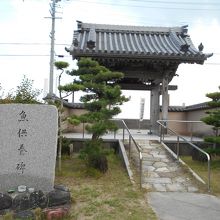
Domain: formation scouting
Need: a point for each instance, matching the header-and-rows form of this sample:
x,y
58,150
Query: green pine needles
x,y
101,100
213,119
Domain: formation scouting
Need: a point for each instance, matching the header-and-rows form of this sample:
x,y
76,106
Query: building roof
x,y
172,108
73,105
200,106
176,109
110,41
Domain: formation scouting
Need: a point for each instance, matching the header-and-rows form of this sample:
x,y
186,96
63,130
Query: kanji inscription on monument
x,y
28,143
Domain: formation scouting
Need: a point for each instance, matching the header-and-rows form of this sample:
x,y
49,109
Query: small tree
x,y
213,119
60,65
102,100
25,93
5,99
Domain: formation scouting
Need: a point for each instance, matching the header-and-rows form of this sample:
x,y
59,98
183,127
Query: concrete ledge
x,y
112,143
123,154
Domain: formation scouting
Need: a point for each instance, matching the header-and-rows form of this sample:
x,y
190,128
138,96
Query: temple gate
x,y
148,56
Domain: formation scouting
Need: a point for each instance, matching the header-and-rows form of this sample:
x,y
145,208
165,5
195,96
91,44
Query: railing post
x,y
209,175
83,130
114,134
129,146
178,148
123,135
191,132
160,133
163,131
140,156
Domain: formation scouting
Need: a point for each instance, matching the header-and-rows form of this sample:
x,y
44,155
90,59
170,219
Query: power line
x,y
58,44
61,56
152,7
212,63
32,55
21,43
24,55
177,3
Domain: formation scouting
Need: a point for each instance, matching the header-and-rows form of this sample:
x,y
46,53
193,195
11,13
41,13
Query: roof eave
x,y
156,57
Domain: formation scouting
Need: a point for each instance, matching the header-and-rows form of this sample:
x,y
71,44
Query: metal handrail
x,y
160,122
136,145
183,121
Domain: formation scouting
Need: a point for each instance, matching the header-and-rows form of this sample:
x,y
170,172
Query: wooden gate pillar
x,y
154,109
165,98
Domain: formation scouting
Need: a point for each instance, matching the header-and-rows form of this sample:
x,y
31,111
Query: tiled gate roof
x,y
172,43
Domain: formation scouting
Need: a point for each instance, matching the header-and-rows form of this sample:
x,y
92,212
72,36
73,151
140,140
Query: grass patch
x,y
103,196
202,170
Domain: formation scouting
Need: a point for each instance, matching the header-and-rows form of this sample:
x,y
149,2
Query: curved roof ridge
x,y
130,27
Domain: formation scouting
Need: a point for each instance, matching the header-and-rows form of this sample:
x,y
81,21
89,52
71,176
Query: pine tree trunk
x,y
60,138
95,137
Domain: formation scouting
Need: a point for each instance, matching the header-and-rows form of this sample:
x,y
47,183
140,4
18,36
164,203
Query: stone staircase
x,y
161,172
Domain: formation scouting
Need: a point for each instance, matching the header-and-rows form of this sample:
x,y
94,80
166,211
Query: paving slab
x,y
161,156
152,175
162,169
160,164
147,163
169,175
184,206
192,189
160,187
180,179
175,187
158,180
148,168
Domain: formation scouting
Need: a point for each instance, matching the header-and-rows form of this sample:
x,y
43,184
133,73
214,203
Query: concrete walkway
x,y
184,206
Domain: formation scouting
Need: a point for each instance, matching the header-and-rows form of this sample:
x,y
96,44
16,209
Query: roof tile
x,y
145,42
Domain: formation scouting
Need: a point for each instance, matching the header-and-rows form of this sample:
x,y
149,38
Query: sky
x,y
25,42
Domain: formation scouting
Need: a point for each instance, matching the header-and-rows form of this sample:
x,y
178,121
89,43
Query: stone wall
x,y
198,129
134,123
67,127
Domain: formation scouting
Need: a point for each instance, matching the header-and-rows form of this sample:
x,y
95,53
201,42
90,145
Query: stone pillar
x,y
165,98
155,109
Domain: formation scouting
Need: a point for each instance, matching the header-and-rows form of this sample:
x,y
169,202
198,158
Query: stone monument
x,y
28,145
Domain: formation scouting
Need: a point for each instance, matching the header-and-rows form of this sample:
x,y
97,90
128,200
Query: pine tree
x,y
213,119
102,99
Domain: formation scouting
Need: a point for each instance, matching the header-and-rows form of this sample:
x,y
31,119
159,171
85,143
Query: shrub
x,y
65,146
94,155
213,151
198,156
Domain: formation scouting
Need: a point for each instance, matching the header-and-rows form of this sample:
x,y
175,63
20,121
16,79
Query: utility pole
x,y
52,52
